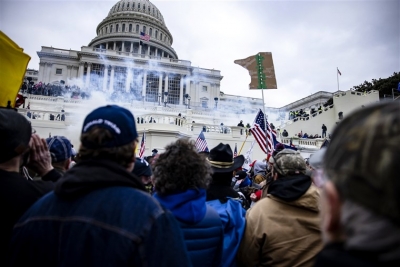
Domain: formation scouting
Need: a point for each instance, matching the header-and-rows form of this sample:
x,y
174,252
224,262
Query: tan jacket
x,y
280,233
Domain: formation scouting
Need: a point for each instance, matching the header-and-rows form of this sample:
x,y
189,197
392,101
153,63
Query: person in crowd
x,y
285,133
360,196
260,171
99,213
28,114
244,186
142,170
324,129
61,153
283,229
181,177
154,152
305,135
240,124
20,149
225,199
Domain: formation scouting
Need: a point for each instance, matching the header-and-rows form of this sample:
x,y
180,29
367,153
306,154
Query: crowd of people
x,y
101,205
53,90
295,114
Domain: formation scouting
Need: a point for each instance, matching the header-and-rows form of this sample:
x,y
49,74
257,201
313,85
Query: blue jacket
x,y
201,226
233,218
98,215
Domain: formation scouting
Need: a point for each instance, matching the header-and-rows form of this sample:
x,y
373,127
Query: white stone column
x,y
89,69
42,71
148,50
140,49
181,91
107,46
111,88
115,45
144,84
187,86
123,46
80,72
128,79
156,52
131,50
166,83
49,65
105,78
160,77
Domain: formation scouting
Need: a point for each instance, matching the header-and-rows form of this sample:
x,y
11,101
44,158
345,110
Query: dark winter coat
x,y
98,215
17,194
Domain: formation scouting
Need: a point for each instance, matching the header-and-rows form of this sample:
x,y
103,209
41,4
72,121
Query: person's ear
x,y
331,210
67,164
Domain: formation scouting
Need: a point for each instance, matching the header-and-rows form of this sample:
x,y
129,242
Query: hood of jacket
x,y
188,206
259,167
295,190
90,175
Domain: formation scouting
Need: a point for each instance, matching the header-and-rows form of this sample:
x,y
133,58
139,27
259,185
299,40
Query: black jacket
x,y
17,194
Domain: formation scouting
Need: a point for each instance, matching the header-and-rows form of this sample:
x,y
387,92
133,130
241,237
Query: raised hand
x,y
39,159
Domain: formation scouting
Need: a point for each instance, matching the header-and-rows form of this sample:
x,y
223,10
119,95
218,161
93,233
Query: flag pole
x,y
265,120
247,134
337,77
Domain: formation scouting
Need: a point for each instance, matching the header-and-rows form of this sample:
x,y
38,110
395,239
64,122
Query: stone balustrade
x,y
303,142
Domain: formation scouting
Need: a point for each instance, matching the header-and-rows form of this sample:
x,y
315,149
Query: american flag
x,y
264,138
144,36
142,146
201,143
235,151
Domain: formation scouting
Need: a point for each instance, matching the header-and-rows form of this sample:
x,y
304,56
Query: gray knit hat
x,y
363,157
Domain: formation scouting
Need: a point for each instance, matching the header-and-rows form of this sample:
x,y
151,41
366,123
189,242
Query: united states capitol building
x,y
132,57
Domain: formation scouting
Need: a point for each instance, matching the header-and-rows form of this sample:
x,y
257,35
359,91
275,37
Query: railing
x,y
161,119
41,115
303,142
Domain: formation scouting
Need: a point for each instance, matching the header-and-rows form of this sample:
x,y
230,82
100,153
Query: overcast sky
x,y
308,39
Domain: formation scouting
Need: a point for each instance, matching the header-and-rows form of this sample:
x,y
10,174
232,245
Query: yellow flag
x,y
13,64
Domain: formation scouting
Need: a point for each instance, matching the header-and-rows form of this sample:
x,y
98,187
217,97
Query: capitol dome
x,y
127,22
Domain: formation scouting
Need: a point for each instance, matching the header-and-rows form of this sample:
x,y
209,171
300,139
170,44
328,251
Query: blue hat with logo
x,y
118,120
60,148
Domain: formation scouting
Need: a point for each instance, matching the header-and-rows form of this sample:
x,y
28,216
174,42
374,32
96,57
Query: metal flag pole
x,y
337,77
247,134
265,121
262,85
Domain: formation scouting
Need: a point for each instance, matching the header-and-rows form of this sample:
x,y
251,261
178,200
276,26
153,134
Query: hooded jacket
x,y
98,215
200,223
283,228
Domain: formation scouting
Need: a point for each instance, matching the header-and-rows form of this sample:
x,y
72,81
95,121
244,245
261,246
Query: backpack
x,y
233,217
